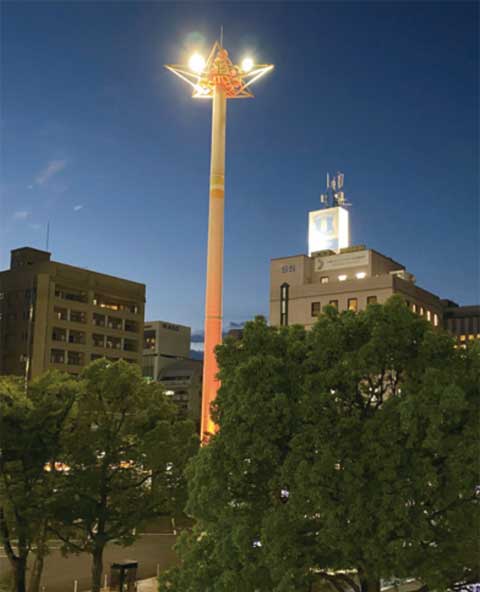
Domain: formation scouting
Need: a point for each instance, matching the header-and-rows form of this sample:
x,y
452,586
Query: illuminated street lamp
x,y
219,79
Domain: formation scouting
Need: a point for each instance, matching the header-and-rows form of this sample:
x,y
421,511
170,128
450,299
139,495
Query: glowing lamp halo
x,y
197,63
247,64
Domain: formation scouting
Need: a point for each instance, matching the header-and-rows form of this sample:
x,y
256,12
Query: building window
x,y
115,323
59,334
315,309
98,340
76,337
60,314
77,316
284,304
360,275
113,342
429,315
324,279
342,277
131,326
130,345
353,304
98,319
70,294
414,307
114,304
334,303
75,358
149,340
57,356
422,311
371,300
435,319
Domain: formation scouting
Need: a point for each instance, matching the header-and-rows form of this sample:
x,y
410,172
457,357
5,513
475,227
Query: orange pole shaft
x,y
213,296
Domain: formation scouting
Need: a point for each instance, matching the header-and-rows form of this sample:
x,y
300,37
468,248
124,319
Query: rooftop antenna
x,y
334,196
47,239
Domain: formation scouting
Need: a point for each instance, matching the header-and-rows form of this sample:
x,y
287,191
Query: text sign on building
x,y
341,261
328,229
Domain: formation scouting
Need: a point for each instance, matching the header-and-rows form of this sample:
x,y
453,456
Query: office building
x,y
182,381
164,343
54,315
300,286
463,322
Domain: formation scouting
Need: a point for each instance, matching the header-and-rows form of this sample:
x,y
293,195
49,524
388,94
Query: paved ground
x,y
151,550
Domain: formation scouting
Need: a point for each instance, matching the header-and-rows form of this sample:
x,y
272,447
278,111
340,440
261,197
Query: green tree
x,y
345,454
31,425
126,453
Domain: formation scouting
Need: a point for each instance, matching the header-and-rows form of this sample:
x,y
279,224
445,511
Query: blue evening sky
x,y
102,141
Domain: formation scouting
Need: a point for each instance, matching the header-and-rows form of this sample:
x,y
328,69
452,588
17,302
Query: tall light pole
x,y
218,79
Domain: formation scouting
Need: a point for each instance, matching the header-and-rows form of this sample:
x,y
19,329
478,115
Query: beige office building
x,y
164,343
54,315
352,278
463,322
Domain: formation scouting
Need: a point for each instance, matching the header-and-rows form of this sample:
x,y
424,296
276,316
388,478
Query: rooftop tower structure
x,y
328,228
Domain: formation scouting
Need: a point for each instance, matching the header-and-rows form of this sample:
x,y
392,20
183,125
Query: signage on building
x,y
360,258
328,229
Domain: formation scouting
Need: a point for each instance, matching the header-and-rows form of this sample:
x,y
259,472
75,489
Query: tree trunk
x,y
97,568
20,574
368,583
37,569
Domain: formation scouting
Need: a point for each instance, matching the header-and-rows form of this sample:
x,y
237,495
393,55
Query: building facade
x,y
352,278
182,381
164,343
463,322
54,315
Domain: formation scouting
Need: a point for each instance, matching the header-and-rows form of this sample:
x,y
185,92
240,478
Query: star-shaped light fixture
x,y
218,70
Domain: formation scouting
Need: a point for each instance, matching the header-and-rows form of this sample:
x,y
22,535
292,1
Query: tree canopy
x,y
31,425
126,454
345,454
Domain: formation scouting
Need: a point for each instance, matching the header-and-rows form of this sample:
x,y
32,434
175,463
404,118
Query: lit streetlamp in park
x,y
216,78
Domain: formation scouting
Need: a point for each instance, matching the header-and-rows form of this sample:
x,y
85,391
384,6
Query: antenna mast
x,y
334,196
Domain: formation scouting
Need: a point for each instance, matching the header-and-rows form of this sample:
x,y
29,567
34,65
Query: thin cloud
x,y
21,214
53,168
77,208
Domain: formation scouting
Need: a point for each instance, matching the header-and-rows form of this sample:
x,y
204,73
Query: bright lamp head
x,y
247,64
196,63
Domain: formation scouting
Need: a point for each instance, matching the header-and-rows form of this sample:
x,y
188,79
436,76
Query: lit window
x,y
414,307
422,311
429,315
334,303
342,278
435,320
353,304
324,279
169,393
315,309
471,337
360,275
463,337
371,300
